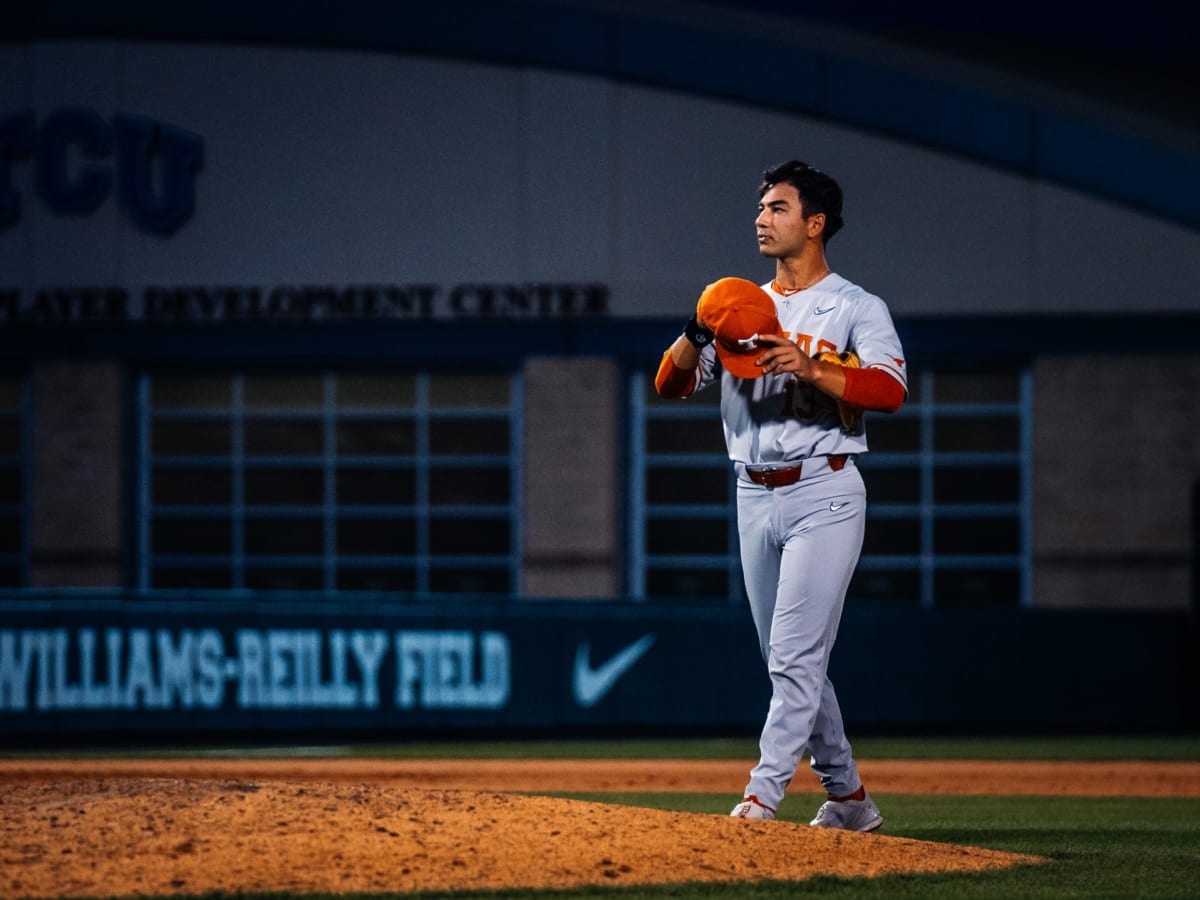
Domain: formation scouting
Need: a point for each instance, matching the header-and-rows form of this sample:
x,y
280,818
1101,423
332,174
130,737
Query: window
x,y
400,482
683,515
948,487
14,432
949,493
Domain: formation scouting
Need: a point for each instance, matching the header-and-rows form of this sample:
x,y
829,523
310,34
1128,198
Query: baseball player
x,y
791,400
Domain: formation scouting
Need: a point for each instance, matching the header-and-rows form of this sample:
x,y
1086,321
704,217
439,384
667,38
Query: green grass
x,y
1048,747
1081,747
1084,747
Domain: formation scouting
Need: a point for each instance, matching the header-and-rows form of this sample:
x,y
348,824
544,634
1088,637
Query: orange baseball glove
x,y
851,416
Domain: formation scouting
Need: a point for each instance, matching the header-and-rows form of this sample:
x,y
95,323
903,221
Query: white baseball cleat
x,y
857,812
750,808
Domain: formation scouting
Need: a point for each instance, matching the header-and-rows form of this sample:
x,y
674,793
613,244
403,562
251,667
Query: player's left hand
x,y
783,356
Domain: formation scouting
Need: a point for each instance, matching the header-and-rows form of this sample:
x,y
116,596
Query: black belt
x,y
782,476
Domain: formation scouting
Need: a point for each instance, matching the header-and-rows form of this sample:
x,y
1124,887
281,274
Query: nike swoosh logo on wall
x,y
591,685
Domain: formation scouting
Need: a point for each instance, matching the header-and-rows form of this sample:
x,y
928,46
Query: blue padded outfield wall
x,y
133,667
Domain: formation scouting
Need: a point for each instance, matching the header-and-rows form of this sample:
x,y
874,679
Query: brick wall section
x,y
76,504
571,487
1116,464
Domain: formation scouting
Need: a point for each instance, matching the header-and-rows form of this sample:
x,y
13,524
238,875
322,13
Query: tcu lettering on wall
x,y
80,160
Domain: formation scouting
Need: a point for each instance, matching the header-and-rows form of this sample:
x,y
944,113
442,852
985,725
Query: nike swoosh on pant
x,y
591,685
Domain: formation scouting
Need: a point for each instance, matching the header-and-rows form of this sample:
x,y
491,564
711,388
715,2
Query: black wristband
x,y
699,336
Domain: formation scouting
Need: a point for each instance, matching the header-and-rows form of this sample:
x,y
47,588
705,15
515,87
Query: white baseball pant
x,y
799,547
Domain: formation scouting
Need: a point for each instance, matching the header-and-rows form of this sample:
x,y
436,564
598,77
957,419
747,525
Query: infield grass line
x,y
1085,748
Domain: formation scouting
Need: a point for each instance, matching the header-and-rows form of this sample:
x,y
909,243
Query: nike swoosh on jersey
x,y
591,685
820,312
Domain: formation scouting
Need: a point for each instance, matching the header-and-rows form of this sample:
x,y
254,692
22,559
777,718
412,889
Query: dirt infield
x,y
1046,778
134,827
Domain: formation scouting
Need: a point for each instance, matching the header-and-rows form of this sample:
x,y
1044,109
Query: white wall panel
x,y
339,168
570,177
74,251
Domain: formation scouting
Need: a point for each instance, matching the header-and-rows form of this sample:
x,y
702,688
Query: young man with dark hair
x,y
819,352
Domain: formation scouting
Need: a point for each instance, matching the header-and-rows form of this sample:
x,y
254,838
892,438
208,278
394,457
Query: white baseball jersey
x,y
775,418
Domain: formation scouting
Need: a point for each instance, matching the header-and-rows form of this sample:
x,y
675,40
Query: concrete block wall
x,y
572,446
76,504
1116,468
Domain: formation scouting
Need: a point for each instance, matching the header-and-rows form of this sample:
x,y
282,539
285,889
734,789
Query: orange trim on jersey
x,y
873,389
673,382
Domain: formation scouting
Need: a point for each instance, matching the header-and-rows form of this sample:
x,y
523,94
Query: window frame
x,y
424,563
925,462
20,511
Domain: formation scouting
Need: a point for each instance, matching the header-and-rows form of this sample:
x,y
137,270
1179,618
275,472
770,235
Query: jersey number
x,y
798,400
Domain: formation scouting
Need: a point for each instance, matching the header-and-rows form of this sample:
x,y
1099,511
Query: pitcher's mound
x,y
189,836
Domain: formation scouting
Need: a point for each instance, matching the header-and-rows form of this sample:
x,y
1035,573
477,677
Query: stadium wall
x,y
209,202
164,668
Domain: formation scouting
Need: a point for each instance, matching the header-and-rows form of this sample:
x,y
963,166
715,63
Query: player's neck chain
x,y
787,292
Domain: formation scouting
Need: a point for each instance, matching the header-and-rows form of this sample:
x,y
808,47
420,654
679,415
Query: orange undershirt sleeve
x,y
873,389
673,382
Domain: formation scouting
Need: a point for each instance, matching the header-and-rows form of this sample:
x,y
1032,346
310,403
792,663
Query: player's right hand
x,y
783,356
